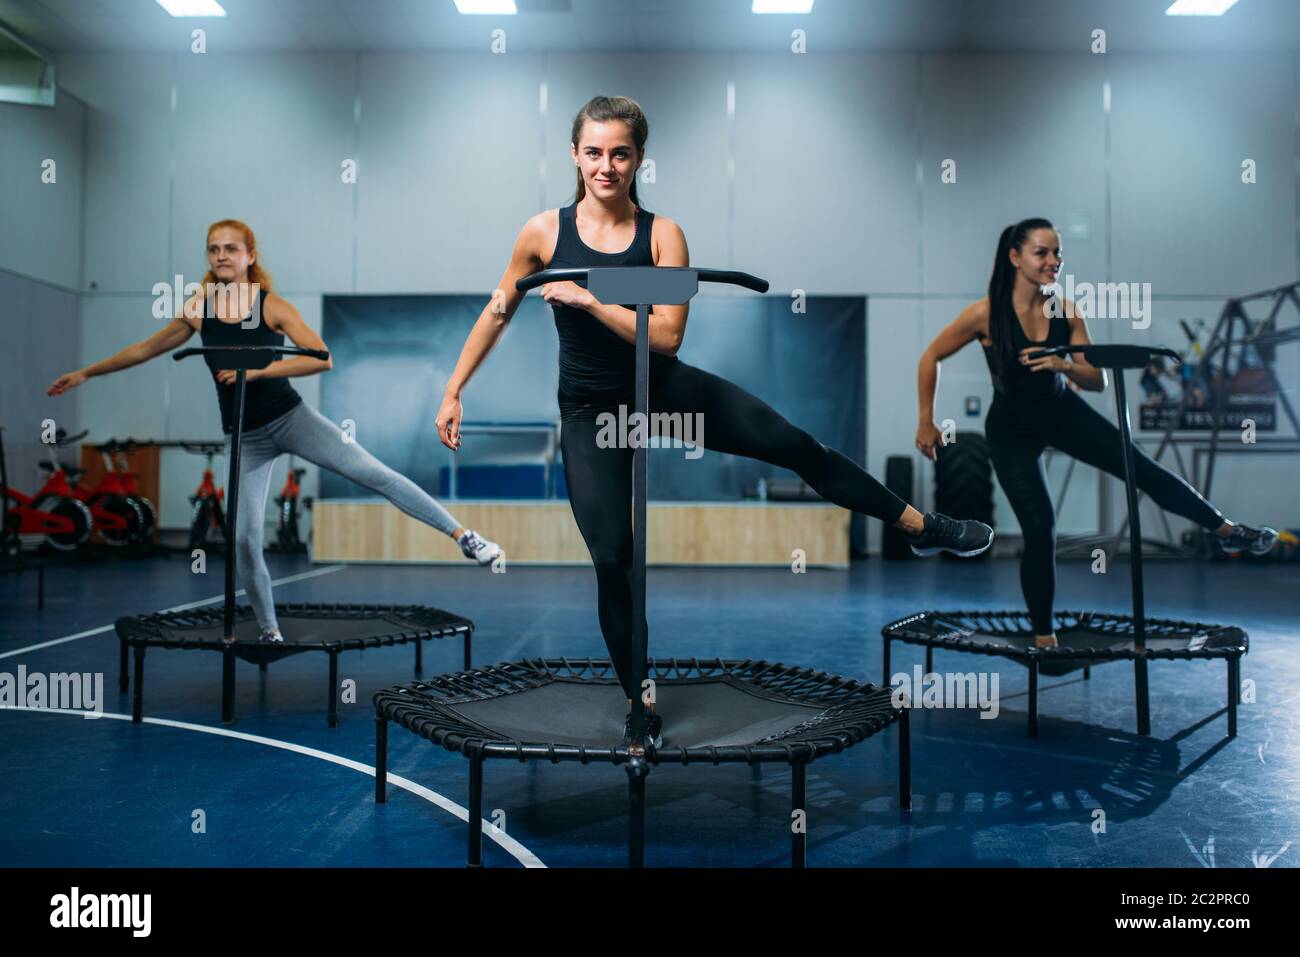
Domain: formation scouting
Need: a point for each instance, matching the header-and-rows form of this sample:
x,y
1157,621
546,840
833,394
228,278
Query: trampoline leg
x,y
1087,673
469,649
137,703
381,759
798,802
419,656
884,675
1143,700
122,681
228,685
1033,698
334,689
929,659
637,769
1234,692
475,813
261,666
905,761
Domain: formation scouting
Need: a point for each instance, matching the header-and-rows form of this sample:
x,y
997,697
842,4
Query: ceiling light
x,y
486,6
782,6
1199,8
192,8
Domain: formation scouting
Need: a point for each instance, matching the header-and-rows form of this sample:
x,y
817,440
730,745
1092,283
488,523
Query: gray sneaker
x,y
1258,541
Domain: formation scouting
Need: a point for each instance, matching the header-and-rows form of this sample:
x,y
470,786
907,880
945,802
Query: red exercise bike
x,y
208,515
54,512
118,518
116,463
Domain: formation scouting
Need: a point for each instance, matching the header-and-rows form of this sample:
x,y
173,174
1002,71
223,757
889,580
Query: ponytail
x,y
1001,311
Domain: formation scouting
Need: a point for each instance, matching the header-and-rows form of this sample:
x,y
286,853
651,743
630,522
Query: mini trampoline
x,y
714,711
1084,639
234,631
558,710
328,628
1087,637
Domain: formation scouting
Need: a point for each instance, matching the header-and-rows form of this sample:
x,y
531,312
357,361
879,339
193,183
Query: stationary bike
x,y
116,463
64,521
118,519
287,538
208,515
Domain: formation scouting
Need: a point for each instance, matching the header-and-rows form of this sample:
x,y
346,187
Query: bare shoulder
x,y
192,312
975,318
667,241
540,234
278,310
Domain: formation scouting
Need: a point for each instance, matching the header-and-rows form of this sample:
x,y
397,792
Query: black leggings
x,y
735,422
1017,437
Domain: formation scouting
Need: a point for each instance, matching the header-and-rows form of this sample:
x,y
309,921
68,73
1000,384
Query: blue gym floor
x,y
280,788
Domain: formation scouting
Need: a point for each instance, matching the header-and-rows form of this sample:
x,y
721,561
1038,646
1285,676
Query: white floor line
x,y
508,844
194,604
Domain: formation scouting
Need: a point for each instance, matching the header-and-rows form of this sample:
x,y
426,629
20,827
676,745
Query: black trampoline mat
x,y
309,630
696,714
1083,638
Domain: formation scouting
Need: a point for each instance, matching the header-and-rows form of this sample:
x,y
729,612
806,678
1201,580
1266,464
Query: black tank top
x,y
1019,383
594,360
265,400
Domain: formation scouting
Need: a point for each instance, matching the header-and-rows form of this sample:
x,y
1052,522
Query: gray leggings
x,y
306,433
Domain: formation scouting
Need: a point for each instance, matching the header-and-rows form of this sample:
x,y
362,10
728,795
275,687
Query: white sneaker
x,y
478,548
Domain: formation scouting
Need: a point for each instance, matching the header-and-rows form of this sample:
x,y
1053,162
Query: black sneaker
x,y
964,538
1259,541
654,730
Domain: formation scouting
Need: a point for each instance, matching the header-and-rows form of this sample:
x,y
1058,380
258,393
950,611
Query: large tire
x,y
82,522
899,480
963,479
132,516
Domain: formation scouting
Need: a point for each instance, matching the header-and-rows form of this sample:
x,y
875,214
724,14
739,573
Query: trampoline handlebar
x,y
1111,356
321,354
727,276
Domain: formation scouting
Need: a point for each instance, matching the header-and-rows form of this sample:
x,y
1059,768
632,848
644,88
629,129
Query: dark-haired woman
x,y
606,226
1035,405
276,420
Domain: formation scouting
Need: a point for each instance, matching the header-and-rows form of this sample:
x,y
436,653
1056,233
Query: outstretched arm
x,y
968,326
164,340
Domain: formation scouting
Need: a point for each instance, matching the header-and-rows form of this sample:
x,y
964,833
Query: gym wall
x,y
835,191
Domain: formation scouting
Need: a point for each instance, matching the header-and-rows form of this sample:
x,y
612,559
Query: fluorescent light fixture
x,y
782,6
1199,8
192,8
499,7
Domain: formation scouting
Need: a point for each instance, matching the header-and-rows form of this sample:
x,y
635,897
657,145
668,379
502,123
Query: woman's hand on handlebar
x,y
228,376
448,422
928,439
69,380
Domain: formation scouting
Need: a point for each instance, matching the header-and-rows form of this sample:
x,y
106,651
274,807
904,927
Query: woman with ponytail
x,y
607,226
1035,405
235,306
